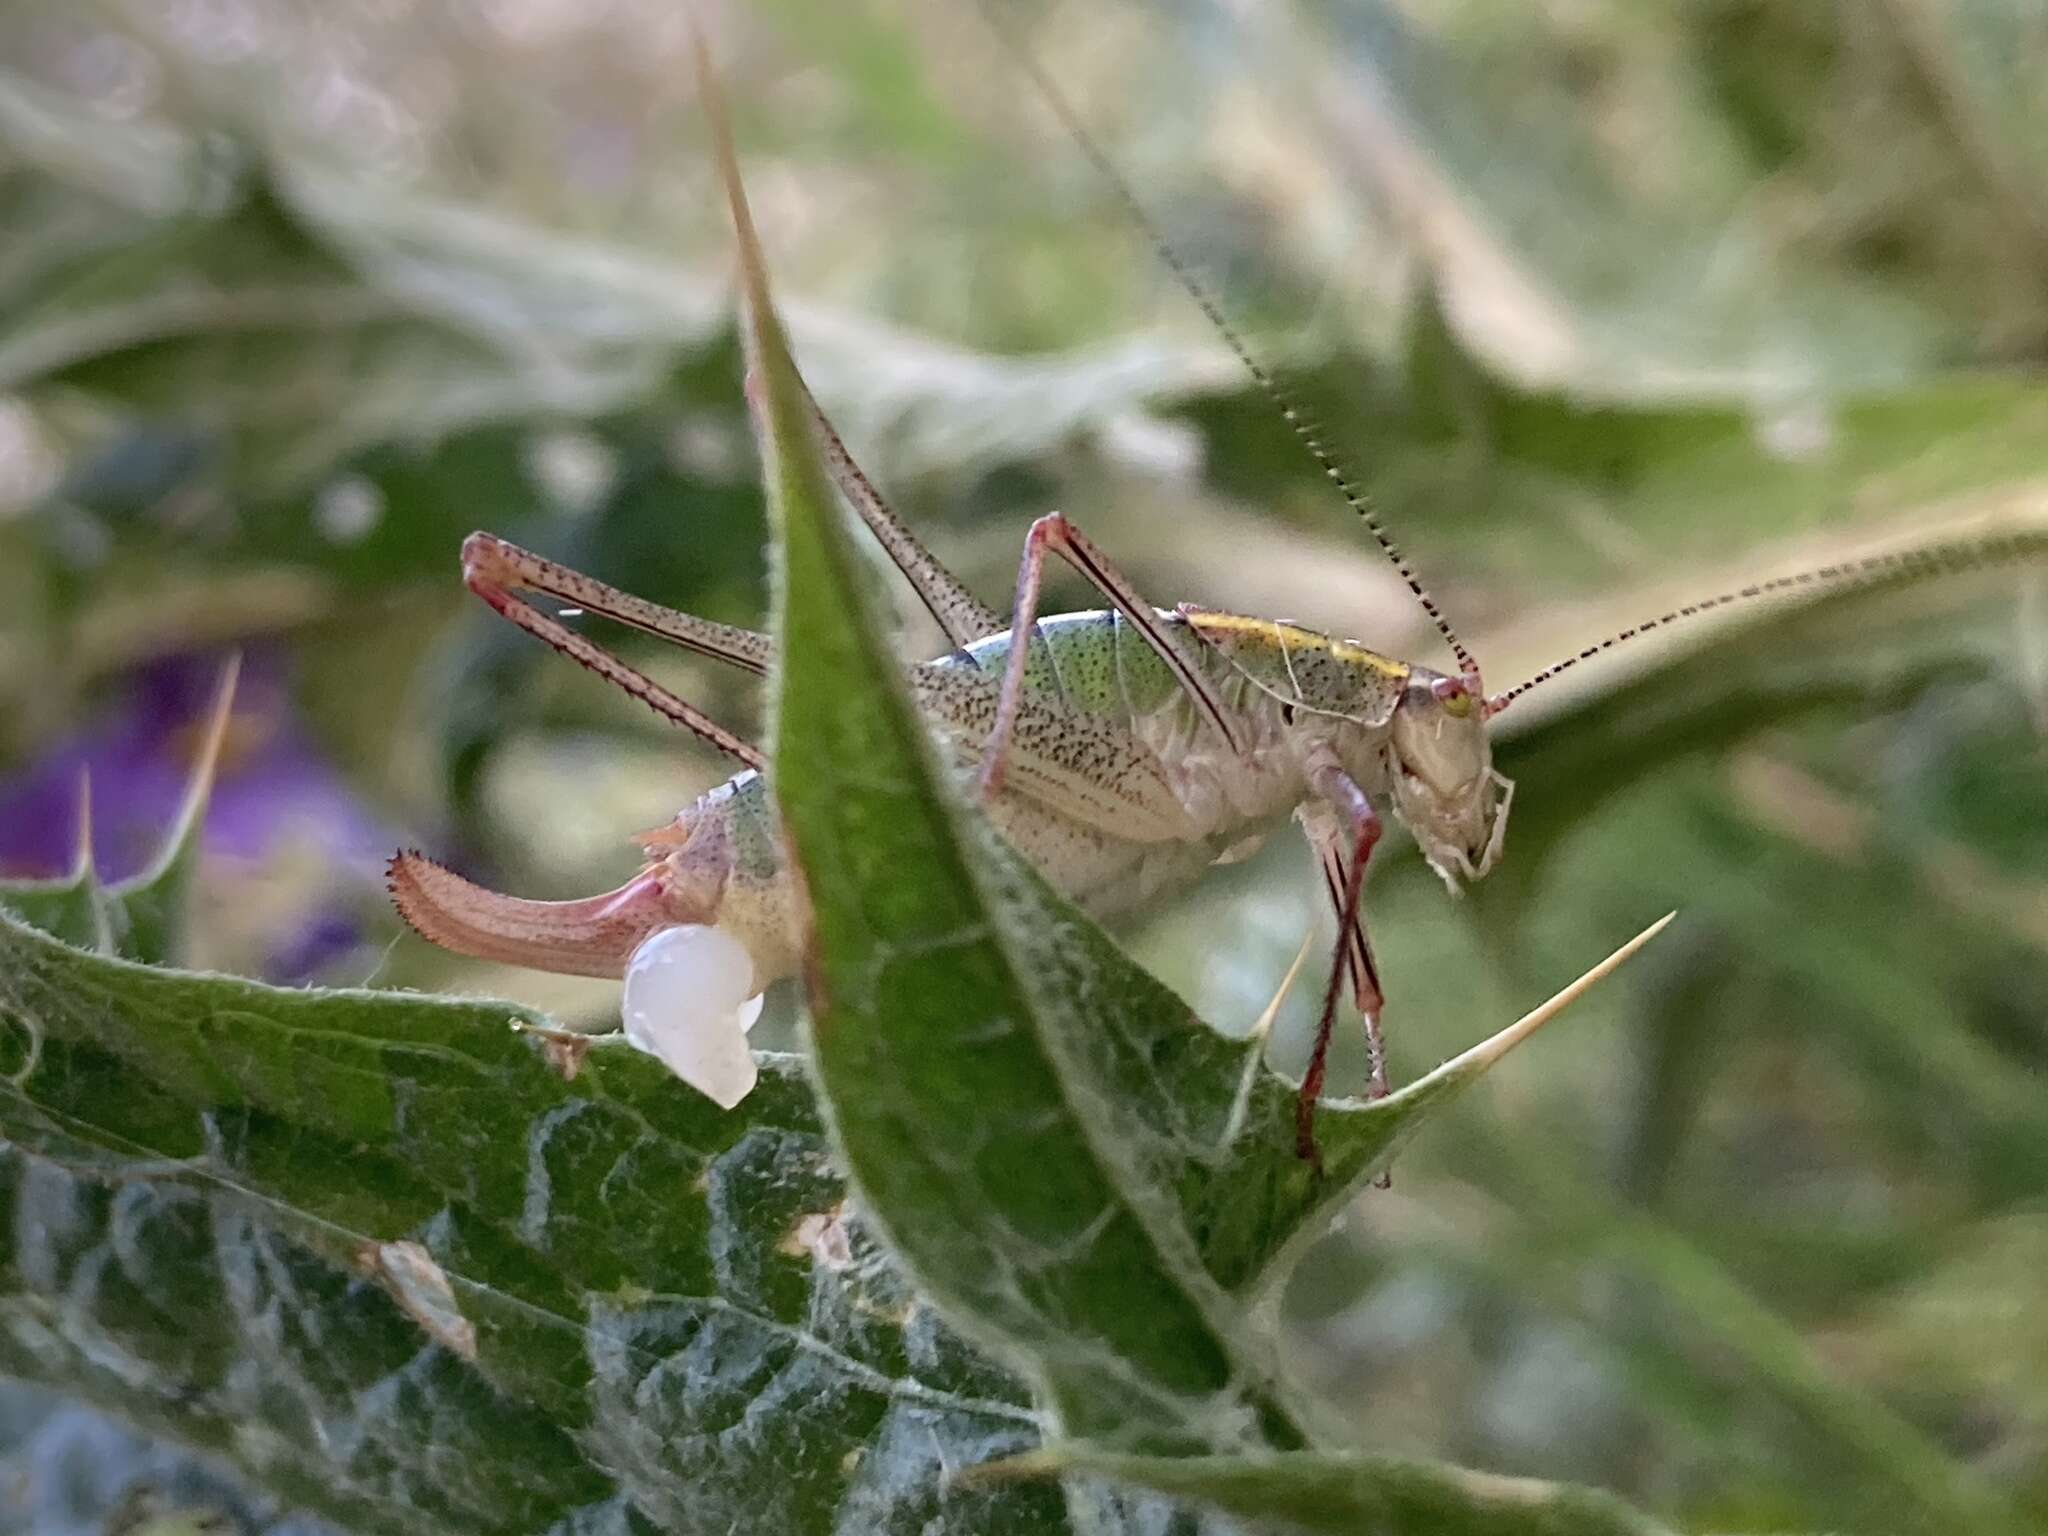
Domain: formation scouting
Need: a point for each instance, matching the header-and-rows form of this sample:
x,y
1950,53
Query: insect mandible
x,y
1122,750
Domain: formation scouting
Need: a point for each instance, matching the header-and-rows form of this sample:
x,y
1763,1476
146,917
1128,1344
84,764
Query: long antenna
x,y
1354,497
1900,565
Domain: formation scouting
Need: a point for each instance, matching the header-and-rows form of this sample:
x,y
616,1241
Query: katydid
x,y
1122,750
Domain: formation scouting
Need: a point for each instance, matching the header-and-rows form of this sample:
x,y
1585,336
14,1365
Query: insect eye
x,y
1451,693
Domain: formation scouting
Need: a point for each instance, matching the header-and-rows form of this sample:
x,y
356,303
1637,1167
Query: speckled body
x,y
1116,787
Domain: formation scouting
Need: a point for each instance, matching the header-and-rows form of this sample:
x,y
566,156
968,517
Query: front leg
x,y
1332,843
1361,832
1055,535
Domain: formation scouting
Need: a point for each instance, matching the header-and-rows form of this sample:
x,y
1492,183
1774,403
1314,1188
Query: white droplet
x,y
348,510
690,1000
1798,433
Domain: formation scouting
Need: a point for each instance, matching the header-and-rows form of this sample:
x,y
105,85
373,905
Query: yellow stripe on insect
x,y
1344,650
1295,637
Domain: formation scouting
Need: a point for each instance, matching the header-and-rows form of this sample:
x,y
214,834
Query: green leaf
x,y
1313,1493
1359,1139
376,1249
961,1117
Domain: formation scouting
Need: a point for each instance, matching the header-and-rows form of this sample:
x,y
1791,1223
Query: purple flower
x,y
276,802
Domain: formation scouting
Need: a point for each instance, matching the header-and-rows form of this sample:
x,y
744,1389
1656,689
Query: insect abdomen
x,y
1094,662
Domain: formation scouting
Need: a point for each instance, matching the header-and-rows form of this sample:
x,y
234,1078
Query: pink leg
x,y
1354,955
1055,535
484,572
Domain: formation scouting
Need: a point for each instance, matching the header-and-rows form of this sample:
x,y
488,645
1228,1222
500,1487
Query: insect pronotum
x,y
1122,750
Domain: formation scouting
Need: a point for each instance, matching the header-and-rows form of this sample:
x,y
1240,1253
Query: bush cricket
x,y
1123,750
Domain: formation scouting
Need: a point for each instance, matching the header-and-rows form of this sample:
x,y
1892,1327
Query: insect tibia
x,y
1268,383
1892,567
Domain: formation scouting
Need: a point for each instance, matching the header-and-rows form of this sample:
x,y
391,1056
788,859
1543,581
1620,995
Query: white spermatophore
x,y
690,1000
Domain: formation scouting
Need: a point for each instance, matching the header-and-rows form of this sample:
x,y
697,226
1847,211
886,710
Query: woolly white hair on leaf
x,y
690,999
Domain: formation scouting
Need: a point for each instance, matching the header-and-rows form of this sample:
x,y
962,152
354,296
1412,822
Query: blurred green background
x,y
1610,303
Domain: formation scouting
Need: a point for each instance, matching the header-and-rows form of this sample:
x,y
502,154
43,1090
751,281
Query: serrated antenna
x,y
1901,565
1354,497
